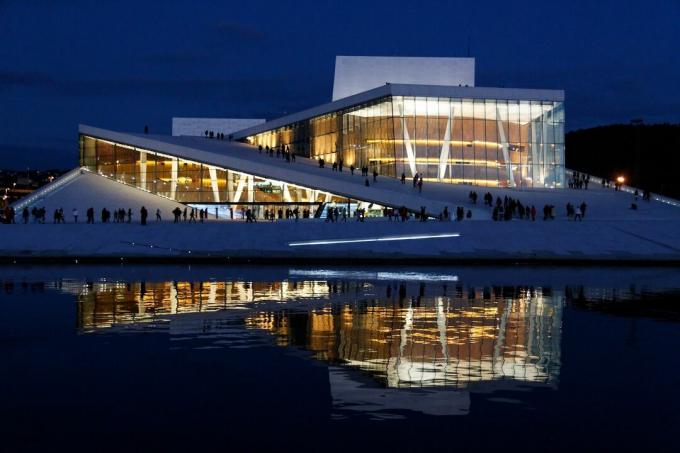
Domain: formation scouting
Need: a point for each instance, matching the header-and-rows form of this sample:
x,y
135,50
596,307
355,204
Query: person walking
x,y
25,215
158,215
143,213
75,215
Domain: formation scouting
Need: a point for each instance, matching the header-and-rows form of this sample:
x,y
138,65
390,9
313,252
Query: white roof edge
x,y
216,118
349,101
404,57
511,94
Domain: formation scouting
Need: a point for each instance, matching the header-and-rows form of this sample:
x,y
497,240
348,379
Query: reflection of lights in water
x,y
432,341
394,276
411,336
374,239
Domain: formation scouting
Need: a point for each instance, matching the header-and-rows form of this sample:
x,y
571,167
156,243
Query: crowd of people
x,y
579,181
211,134
509,208
278,151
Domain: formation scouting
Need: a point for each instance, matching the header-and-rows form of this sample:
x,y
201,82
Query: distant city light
x,y
620,179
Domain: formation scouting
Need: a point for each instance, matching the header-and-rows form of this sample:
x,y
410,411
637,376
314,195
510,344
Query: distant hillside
x,y
647,155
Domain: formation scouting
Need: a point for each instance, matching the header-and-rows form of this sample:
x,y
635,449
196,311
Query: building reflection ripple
x,y
469,336
404,334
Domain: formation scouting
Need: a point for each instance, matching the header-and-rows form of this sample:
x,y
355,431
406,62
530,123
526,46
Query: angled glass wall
x,y
196,183
488,142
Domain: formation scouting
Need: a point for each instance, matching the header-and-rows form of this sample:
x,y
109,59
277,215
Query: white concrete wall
x,y
357,74
198,126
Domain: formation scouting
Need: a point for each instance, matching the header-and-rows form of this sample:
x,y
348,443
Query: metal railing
x,y
45,190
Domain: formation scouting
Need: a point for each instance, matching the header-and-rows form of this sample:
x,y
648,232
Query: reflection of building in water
x,y
104,304
350,393
433,341
412,337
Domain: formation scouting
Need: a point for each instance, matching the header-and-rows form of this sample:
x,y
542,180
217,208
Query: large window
x,y
489,142
191,182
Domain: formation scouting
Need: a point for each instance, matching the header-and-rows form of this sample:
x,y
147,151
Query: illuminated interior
x,y
196,183
485,142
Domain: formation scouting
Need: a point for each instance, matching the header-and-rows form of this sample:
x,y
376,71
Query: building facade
x,y
200,184
486,137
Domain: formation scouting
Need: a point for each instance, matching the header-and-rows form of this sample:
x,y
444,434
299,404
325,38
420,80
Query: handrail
x,y
48,188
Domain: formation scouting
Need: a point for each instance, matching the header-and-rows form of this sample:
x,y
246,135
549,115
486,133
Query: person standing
x,y
75,215
143,213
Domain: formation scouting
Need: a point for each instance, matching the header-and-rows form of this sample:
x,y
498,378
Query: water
x,y
257,358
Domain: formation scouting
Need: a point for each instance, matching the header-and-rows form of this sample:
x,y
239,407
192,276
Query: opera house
x,y
399,118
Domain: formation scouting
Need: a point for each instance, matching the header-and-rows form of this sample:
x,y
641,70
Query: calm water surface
x,y
290,358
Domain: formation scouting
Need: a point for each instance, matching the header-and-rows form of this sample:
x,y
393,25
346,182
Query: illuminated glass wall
x,y
196,183
471,141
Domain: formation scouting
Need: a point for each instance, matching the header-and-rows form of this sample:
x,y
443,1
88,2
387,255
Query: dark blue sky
x,y
122,64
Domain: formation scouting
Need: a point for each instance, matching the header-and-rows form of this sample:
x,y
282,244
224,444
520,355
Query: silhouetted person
x,y
177,212
143,214
146,129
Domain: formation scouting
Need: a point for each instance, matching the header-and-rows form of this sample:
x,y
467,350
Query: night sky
x,y
123,64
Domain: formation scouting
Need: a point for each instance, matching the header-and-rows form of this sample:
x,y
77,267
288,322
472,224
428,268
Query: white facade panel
x,y
358,74
196,127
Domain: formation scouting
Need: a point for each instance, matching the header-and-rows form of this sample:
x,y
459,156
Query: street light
x,y
620,179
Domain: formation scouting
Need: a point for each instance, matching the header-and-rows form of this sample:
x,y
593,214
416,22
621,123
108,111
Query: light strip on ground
x,y
375,239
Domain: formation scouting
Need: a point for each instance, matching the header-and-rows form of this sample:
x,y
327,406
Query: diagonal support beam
x,y
446,147
504,145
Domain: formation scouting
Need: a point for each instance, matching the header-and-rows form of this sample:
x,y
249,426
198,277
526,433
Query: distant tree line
x,y
648,156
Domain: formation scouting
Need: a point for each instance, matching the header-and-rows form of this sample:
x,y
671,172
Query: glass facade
x,y
488,142
196,183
